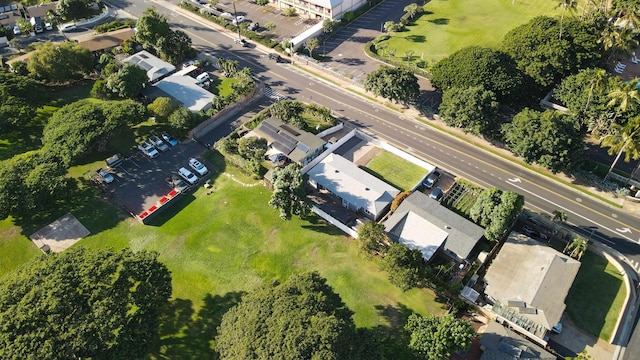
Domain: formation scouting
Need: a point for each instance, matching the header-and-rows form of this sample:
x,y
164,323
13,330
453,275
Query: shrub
x,y
289,12
262,2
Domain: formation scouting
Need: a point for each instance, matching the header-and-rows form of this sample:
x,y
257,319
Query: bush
x,y
348,17
115,25
289,12
399,199
262,2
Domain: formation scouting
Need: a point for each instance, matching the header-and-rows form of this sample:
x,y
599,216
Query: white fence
x,y
331,130
349,231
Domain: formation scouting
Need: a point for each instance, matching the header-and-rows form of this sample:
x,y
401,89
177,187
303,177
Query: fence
x,y
349,231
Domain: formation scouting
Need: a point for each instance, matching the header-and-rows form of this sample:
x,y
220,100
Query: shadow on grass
x,y
440,21
587,303
379,176
395,340
185,334
416,38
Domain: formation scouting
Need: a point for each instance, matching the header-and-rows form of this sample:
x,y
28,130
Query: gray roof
x,y
500,343
463,235
531,278
353,185
154,66
288,139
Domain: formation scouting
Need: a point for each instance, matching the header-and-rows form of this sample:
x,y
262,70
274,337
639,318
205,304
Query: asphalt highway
x,y
593,218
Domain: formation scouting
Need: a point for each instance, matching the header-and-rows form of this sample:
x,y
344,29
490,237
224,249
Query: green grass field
x,y
596,297
395,170
221,244
450,25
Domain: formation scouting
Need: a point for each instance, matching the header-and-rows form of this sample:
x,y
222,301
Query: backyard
x,y
223,242
398,172
448,26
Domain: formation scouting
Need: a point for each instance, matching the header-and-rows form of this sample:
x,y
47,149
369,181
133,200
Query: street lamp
x,y
235,16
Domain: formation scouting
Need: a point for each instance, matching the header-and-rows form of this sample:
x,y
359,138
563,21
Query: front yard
x,y
398,172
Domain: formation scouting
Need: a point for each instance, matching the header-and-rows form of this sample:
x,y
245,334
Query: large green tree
x,y
549,138
301,318
546,59
72,9
252,148
372,237
83,304
623,139
30,182
288,194
405,267
474,109
60,62
127,82
478,66
496,211
18,99
396,84
437,338
153,32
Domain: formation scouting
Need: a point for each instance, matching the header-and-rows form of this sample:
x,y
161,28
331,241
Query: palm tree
x,y
559,216
618,41
577,247
627,96
566,4
623,139
628,16
596,85
389,26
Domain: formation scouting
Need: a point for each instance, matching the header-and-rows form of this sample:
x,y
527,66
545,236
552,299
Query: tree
x,y
571,5
289,111
389,27
577,248
411,10
623,139
24,25
30,180
18,105
559,216
437,338
181,119
72,9
288,192
311,45
473,109
228,67
176,46
151,27
60,62
626,96
618,42
301,318
548,138
396,84
270,26
252,148
161,108
329,26
405,267
83,304
399,199
477,66
496,211
127,82
372,237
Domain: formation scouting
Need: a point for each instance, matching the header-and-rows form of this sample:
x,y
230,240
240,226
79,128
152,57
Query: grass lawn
x,y
228,242
450,25
596,297
396,171
222,86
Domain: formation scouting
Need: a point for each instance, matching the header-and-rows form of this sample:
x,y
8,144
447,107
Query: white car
x,y
198,166
187,175
67,27
226,15
188,63
16,30
106,177
239,19
148,150
158,143
48,26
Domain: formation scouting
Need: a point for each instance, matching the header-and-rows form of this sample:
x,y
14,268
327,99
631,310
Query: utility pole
x,y
235,16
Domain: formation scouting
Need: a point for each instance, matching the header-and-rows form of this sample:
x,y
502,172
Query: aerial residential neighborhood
x,y
275,179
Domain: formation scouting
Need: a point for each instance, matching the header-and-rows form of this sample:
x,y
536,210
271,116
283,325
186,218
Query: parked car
x,y
189,63
198,166
436,194
67,27
158,143
534,234
48,26
238,20
226,15
202,77
16,30
176,183
105,175
432,179
148,150
275,57
187,175
169,139
253,26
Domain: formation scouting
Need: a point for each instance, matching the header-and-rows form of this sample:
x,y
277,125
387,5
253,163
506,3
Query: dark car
x,y
436,194
275,57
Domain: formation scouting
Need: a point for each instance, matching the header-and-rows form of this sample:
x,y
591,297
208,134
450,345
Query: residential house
x,y
528,283
501,343
155,67
298,145
185,89
422,223
9,14
358,190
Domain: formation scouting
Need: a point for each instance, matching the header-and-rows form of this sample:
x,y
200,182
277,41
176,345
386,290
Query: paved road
x,y
602,222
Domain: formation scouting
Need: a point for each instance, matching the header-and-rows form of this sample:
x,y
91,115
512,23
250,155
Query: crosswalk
x,y
635,265
273,95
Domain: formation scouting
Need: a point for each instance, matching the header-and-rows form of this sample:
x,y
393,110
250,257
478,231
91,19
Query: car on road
x,y
177,184
158,143
187,175
67,27
238,20
436,194
198,166
148,150
431,180
275,57
105,175
169,139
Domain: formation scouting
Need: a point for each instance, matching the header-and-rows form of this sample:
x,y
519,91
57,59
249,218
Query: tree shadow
x,y
185,334
394,338
416,38
440,21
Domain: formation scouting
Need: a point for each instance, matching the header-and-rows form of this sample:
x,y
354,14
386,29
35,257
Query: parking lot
x,y
140,181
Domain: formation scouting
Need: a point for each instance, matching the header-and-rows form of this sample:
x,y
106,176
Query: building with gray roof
x,y
528,283
155,67
501,343
422,223
357,189
298,145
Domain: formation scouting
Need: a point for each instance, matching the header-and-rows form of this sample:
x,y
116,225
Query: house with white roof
x,y
320,9
358,190
424,224
186,89
155,67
